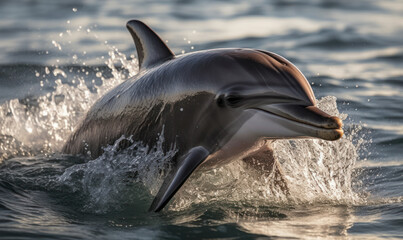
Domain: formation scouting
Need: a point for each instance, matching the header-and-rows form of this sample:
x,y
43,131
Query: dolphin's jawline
x,y
320,132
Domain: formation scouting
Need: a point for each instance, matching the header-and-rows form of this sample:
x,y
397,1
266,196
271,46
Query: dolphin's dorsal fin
x,y
150,48
177,177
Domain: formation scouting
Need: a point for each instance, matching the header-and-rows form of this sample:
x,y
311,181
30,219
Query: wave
x,y
394,81
334,39
394,58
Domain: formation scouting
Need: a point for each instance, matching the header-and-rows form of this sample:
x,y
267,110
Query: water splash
x,y
119,177
318,170
42,124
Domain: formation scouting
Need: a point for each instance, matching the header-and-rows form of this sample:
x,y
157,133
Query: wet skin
x,y
212,106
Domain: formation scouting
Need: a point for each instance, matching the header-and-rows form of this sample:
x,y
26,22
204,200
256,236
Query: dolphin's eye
x,y
230,100
233,100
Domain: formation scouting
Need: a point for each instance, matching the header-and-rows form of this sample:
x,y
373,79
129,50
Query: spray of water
x,y
324,167
116,177
41,124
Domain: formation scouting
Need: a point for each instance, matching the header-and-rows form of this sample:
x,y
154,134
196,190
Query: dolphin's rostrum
x,y
214,106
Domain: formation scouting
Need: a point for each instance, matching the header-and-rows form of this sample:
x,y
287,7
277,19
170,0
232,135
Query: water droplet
x,y
74,9
57,71
181,109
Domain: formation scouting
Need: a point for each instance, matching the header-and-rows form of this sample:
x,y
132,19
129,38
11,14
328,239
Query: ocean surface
x,y
58,57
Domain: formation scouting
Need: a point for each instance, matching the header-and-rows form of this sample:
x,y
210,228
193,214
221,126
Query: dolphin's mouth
x,y
311,119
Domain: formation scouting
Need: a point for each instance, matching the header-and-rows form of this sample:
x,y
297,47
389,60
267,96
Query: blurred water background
x,y
58,57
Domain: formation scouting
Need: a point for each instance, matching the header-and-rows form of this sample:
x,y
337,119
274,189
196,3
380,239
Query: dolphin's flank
x,y
215,106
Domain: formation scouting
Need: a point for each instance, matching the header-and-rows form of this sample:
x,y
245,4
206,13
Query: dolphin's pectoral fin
x,y
150,48
178,176
264,162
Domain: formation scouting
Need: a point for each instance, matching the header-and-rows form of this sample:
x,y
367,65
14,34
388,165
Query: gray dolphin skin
x,y
213,106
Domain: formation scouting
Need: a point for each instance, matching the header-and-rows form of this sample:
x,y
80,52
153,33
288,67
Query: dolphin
x,y
213,106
